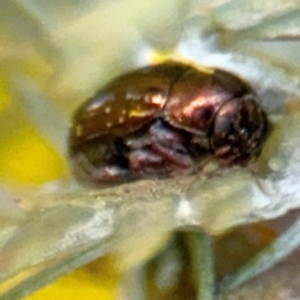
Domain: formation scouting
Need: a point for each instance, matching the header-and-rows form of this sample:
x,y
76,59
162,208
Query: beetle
x,y
163,121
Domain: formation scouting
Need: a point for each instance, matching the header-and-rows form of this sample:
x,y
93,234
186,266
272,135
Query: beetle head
x,y
238,130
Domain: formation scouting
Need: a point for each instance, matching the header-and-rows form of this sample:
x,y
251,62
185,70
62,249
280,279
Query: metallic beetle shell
x,y
197,96
164,120
126,103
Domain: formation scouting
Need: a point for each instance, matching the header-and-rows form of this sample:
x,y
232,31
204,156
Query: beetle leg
x,y
168,136
138,142
99,175
110,174
179,159
171,144
145,162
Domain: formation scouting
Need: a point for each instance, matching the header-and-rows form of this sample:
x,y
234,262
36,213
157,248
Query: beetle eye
x,y
238,130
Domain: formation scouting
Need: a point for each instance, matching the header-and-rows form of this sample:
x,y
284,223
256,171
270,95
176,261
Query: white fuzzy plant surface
x,y
75,48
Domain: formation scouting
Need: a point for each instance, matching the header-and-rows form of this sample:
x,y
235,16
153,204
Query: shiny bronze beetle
x,y
162,121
